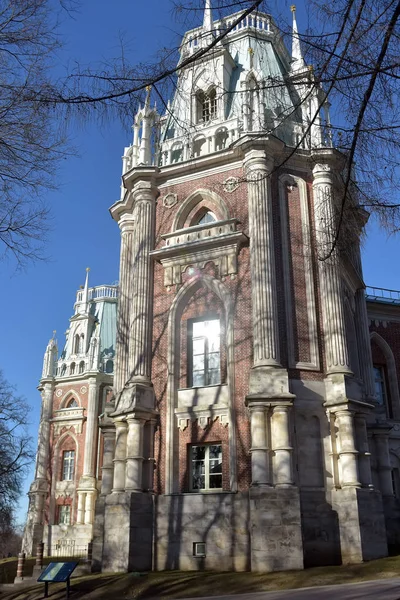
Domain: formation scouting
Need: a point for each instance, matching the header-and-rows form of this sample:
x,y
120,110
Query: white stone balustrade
x,y
196,38
200,232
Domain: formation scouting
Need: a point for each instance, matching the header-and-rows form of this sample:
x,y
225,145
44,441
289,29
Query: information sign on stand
x,y
57,572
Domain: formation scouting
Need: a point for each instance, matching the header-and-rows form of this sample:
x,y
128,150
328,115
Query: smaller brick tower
x,y
74,389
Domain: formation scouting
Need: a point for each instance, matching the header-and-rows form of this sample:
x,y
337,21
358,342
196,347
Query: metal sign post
x,y
57,573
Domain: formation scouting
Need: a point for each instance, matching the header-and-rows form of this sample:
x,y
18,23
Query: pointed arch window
x,y
207,217
76,344
72,403
206,106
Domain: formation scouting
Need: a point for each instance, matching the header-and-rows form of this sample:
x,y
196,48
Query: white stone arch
x,y
217,205
56,470
176,311
198,150
221,138
391,372
67,397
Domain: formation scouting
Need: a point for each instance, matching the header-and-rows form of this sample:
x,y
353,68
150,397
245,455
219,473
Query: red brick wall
x,y
240,289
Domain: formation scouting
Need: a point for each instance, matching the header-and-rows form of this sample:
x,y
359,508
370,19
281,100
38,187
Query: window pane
x,y
213,360
215,466
198,328
198,378
198,482
198,346
198,452
216,451
215,482
213,377
198,362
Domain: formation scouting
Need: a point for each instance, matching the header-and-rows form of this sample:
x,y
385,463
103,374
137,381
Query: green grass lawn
x,y
178,584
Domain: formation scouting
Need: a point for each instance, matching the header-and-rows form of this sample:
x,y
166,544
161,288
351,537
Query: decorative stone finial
x,y
297,56
208,20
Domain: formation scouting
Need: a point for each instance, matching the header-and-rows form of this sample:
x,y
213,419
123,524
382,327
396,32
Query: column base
x,y
275,526
128,532
270,381
361,524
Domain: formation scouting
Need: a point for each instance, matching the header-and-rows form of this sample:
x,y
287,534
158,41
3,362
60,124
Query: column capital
x,y
144,191
126,223
258,159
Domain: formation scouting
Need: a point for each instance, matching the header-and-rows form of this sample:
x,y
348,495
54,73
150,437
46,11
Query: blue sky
x,y
40,299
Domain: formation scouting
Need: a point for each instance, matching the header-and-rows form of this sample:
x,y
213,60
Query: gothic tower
x,y
243,374
74,389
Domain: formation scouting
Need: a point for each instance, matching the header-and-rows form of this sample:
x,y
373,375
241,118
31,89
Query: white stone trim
x,y
192,200
171,179
66,397
68,417
202,415
178,305
314,363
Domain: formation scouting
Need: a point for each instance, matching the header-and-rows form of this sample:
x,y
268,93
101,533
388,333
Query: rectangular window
x,y
206,467
205,367
68,465
199,549
64,515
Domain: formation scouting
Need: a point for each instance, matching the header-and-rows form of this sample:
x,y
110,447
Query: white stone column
x,y
260,471
141,292
262,260
80,518
120,456
364,344
148,467
91,429
344,420
281,447
364,454
42,455
39,506
134,455
89,507
107,470
384,465
331,292
121,369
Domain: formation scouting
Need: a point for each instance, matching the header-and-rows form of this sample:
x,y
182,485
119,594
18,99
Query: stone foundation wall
x,y
361,524
221,521
128,532
320,529
276,539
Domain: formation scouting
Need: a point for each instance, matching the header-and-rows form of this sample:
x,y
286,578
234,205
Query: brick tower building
x,y
74,388
247,428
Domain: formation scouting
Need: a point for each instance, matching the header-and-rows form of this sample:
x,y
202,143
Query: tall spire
x,y
86,288
208,20
297,56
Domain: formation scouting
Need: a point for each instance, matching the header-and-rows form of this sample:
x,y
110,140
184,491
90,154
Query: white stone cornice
x,y
68,417
202,415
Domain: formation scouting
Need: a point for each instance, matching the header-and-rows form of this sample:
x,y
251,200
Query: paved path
x,y
383,589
